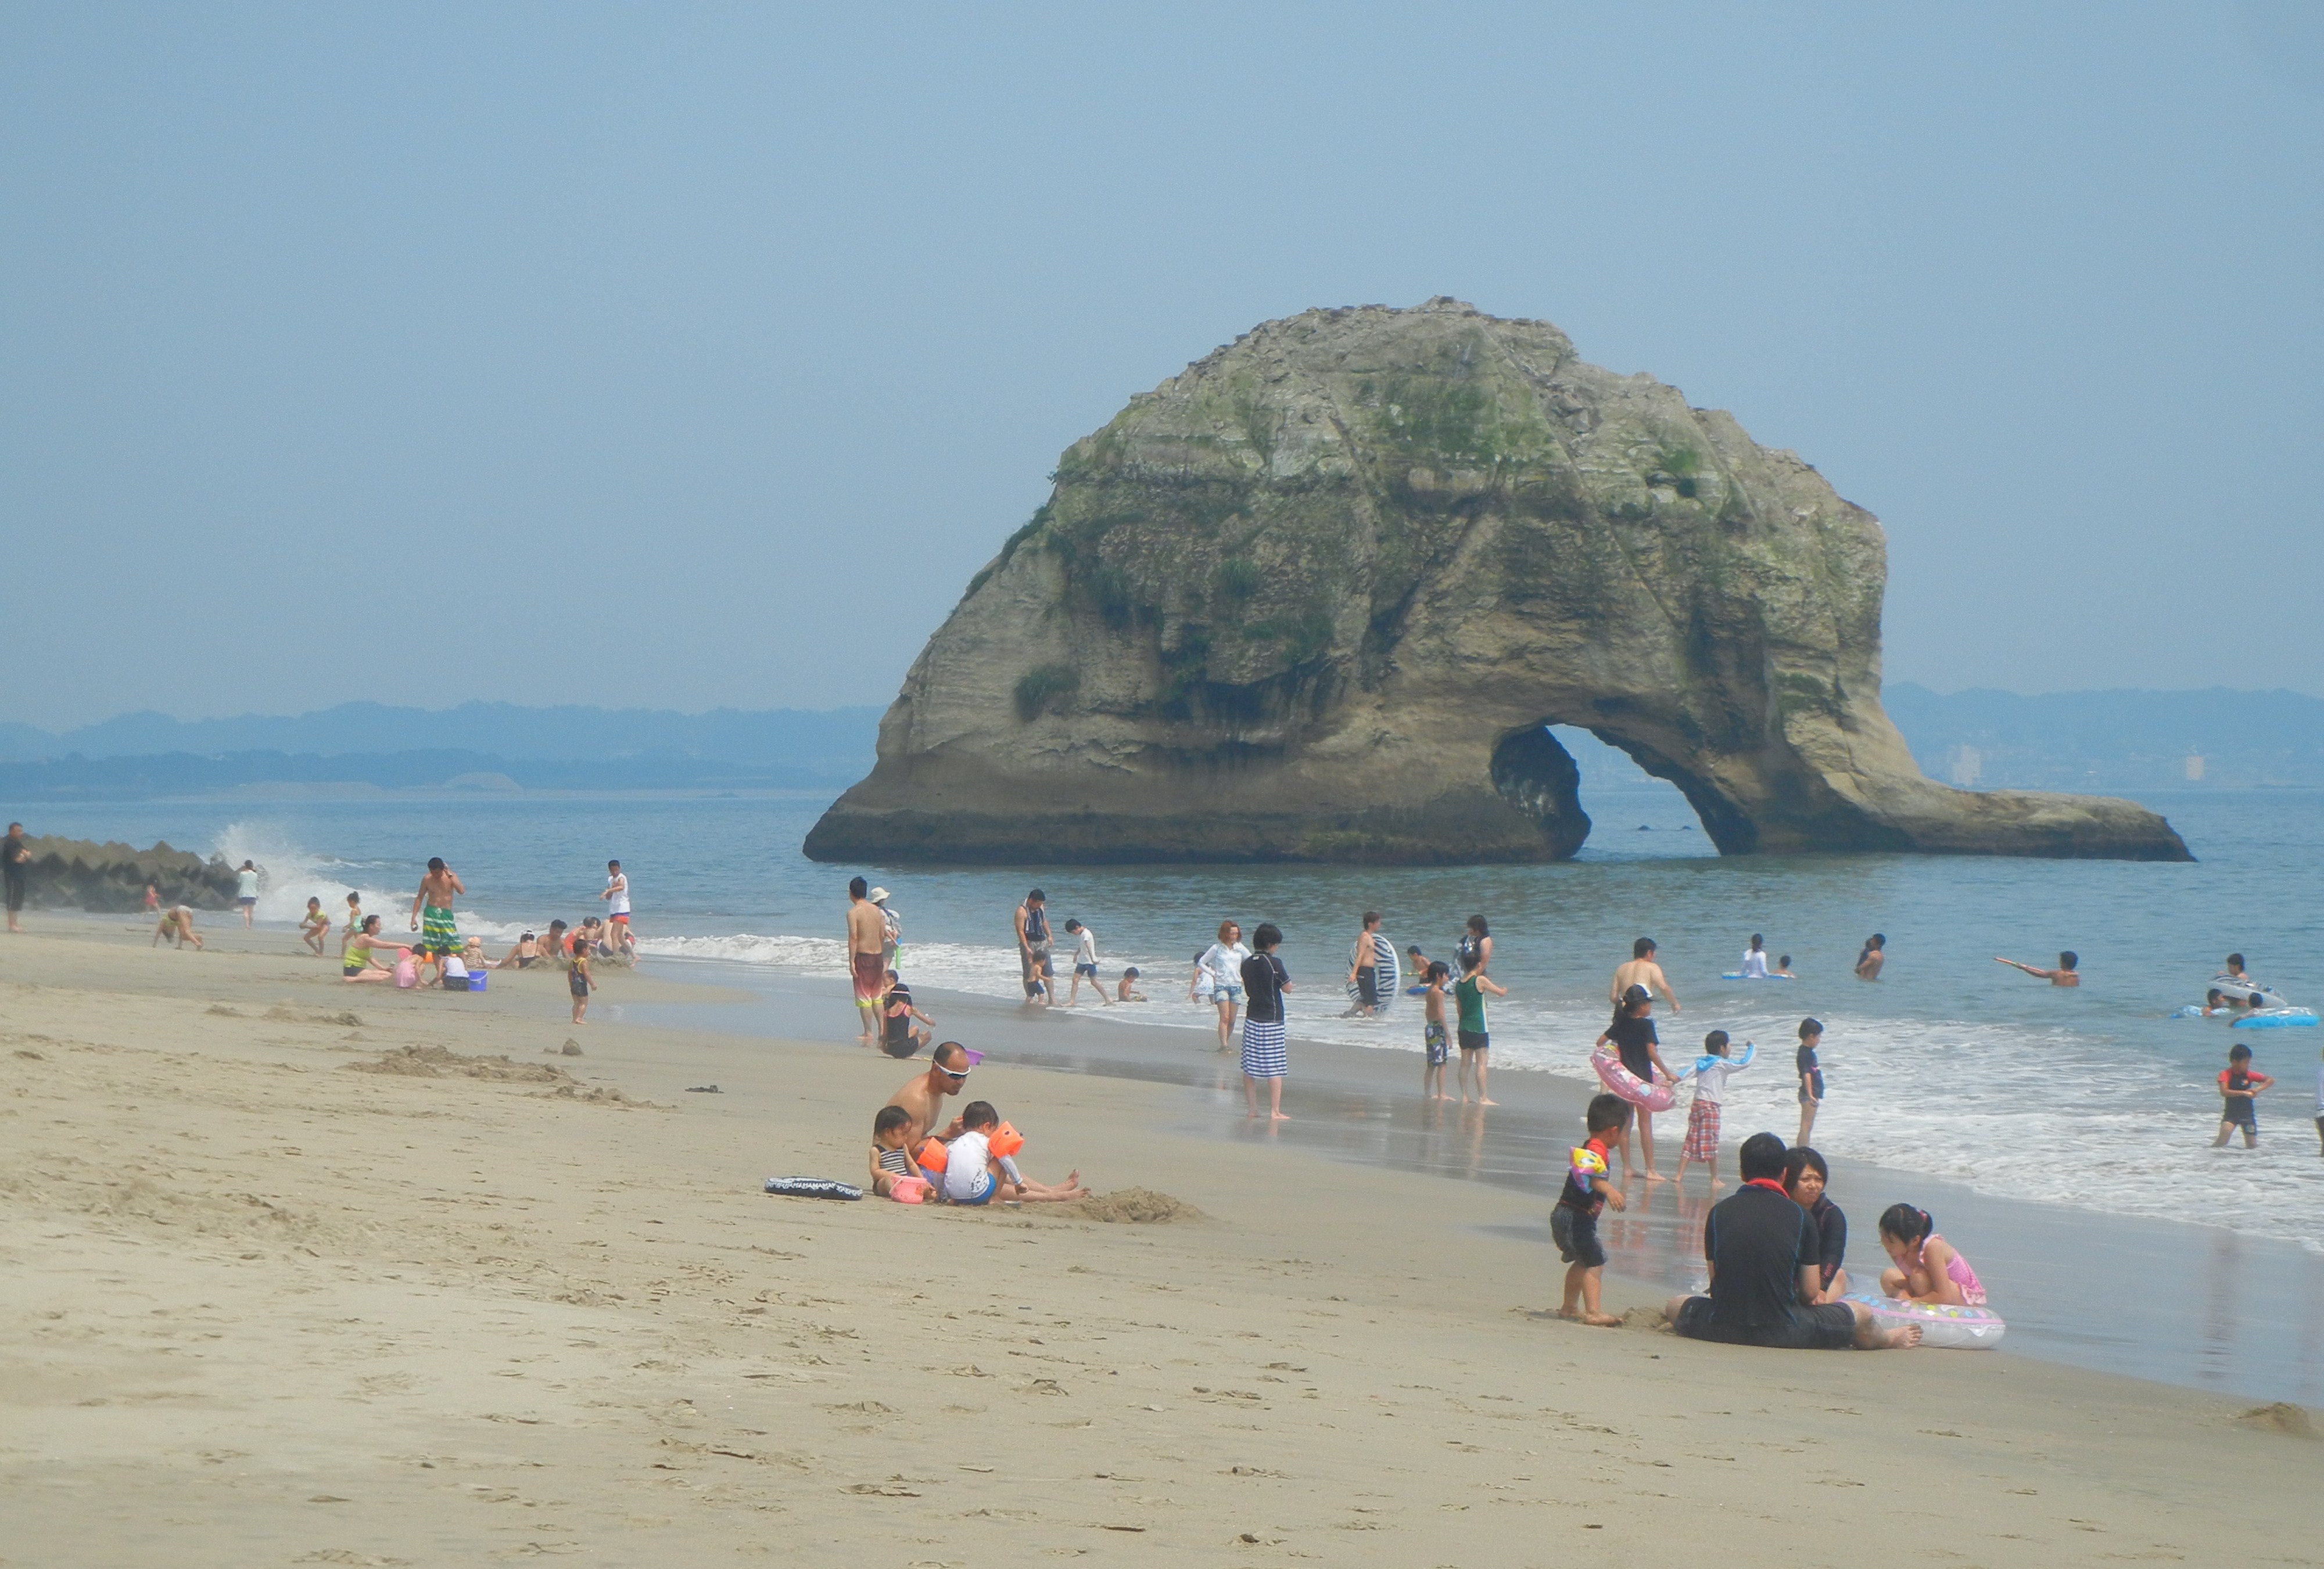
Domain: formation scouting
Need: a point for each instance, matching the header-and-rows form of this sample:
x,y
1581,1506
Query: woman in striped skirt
x,y
1264,983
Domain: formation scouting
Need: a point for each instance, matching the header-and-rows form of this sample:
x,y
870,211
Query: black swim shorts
x,y
1474,1041
1575,1231
1367,986
2241,1111
1829,1326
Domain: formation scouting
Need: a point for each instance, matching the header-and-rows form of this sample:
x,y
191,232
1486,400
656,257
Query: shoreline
x,y
301,1314
2250,1320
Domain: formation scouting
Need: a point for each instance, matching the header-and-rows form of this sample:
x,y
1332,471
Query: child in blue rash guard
x,y
1573,1224
1710,1072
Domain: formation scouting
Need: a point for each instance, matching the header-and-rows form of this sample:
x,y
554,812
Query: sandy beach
x,y
262,1309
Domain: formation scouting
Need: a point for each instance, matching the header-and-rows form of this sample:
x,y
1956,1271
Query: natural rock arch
x,y
1316,596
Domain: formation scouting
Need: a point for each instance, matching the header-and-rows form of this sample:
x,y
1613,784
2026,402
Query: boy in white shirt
x,y
974,1175
1085,963
1710,1072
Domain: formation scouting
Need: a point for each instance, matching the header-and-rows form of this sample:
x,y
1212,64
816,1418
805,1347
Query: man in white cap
x,y
892,925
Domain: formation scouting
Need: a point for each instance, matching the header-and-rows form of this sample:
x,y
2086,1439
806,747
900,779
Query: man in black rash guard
x,y
1766,1272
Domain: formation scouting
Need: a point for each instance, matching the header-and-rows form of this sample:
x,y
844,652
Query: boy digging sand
x,y
1573,1224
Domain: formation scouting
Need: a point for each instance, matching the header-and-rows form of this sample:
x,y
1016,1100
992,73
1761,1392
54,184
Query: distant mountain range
x,y
477,746
2126,741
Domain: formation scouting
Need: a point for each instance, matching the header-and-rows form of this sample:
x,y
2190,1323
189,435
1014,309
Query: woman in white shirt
x,y
1223,962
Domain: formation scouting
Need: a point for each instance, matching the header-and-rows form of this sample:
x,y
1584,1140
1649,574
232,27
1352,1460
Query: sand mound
x,y
1139,1207
2280,1418
283,1014
436,1062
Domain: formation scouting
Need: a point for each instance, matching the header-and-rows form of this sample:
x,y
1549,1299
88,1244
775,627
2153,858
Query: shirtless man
x,y
923,1097
867,957
1641,971
2064,975
441,938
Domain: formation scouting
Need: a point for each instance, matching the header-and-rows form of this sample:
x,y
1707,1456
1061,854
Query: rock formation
x,y
1315,597
76,873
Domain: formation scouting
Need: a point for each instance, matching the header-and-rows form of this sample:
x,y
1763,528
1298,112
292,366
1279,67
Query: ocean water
x,y
1951,1064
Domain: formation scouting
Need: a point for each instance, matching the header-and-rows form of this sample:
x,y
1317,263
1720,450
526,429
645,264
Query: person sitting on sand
x,y
177,924
891,1155
1767,1272
556,945
314,927
974,1175
1924,1267
360,961
1123,993
524,955
923,1097
1573,1224
898,1035
1806,1176
2064,975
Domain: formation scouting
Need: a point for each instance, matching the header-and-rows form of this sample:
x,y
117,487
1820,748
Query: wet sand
x,y
2228,1312
263,1309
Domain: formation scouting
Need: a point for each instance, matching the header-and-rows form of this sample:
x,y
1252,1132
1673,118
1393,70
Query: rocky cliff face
x,y
76,873
1316,596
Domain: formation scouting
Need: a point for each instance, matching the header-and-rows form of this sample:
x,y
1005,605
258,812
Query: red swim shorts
x,y
870,976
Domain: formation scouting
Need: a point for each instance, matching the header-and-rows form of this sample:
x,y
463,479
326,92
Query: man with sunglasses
x,y
923,1097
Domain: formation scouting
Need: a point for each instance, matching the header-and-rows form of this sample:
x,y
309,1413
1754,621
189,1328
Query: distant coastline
x,y
2118,741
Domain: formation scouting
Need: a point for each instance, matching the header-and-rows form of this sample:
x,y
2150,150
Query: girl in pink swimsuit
x,y
1926,1268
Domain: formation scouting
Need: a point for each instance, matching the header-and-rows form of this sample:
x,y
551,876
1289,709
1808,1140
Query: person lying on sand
x,y
974,1175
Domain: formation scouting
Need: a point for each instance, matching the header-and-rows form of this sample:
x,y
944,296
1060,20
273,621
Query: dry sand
x,y
263,1310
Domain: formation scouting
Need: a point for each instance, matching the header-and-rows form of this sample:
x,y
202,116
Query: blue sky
x,y
687,356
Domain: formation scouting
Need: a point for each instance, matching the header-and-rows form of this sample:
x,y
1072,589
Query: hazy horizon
x,y
440,354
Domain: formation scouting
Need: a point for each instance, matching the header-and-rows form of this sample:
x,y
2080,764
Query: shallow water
x,y
1951,1065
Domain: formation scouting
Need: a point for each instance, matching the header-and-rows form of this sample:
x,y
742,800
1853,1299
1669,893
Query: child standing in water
x,y
1632,1035
1437,1042
1710,1072
1922,1266
1810,1071
2239,1087
1474,1036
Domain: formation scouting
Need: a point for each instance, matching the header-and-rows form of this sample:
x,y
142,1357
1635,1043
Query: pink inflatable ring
x,y
1629,1086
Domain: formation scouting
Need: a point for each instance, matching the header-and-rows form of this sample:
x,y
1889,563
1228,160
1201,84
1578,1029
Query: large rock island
x,y
1316,597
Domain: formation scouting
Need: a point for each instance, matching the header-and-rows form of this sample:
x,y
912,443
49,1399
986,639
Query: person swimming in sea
x,y
2064,974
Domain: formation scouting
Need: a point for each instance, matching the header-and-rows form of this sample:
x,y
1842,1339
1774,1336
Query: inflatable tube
x,y
1739,976
1629,1086
2277,1019
2260,996
1389,973
812,1187
1947,1328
